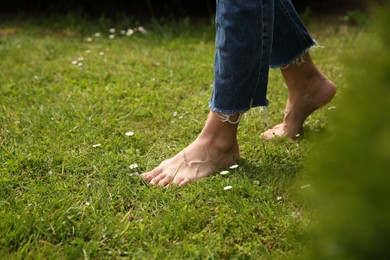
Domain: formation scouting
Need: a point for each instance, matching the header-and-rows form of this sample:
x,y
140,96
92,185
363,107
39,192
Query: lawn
x,y
82,113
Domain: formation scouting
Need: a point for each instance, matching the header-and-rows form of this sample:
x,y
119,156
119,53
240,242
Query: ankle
x,y
220,142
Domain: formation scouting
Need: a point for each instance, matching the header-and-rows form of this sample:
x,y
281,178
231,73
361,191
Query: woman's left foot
x,y
317,93
308,90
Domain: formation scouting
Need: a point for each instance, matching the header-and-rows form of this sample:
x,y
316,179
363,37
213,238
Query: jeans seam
x,y
295,26
261,57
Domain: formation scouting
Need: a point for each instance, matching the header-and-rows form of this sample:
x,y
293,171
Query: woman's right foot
x,y
216,148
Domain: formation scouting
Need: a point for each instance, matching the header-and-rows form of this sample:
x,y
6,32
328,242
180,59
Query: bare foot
x,y
297,110
215,148
309,90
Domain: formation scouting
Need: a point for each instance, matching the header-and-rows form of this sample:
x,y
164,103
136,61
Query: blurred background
x,y
157,8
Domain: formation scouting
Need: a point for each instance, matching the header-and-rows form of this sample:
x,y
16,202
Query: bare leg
x,y
216,147
308,90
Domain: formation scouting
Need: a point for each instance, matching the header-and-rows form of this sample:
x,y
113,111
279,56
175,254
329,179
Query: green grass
x,y
62,197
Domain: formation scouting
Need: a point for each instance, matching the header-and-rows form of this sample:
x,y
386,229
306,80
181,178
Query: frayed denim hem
x,y
236,111
297,59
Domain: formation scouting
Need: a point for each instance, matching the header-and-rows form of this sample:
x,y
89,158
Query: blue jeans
x,y
251,37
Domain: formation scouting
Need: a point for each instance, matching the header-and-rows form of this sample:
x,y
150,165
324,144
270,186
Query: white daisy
x,y
233,166
141,29
133,166
130,133
129,32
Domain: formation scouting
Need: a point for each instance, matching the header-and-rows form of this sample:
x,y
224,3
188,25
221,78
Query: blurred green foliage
x,y
356,18
349,173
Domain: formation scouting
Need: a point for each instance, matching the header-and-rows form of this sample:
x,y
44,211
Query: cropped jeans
x,y
251,37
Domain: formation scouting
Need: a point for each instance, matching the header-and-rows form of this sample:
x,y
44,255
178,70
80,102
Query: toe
x,y
155,180
276,131
165,181
151,174
268,135
184,182
177,180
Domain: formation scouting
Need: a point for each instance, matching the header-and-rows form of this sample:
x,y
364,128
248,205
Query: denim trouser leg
x,y
291,39
243,48
251,36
